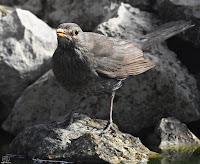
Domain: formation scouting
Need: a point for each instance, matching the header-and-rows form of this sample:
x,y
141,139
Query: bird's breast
x,y
77,75
70,70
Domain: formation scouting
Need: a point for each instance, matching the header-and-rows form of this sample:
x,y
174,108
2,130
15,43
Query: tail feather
x,y
164,32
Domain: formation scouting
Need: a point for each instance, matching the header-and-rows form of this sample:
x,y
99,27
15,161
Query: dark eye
x,y
76,32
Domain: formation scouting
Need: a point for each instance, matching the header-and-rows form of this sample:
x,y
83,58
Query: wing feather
x,y
118,58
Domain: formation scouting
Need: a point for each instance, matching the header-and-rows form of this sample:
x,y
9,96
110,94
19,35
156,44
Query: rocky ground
x,y
31,97
79,138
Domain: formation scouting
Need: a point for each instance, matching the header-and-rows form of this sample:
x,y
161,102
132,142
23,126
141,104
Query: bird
x,y
92,64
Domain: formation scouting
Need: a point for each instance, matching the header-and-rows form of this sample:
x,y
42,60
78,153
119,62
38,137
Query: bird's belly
x,y
77,78
79,81
83,84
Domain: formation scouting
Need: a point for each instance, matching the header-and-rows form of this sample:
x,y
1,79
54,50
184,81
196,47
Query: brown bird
x,y
88,63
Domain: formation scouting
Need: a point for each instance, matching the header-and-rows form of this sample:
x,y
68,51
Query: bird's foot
x,y
109,127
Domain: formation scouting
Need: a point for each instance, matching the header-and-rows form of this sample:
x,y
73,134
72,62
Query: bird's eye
x,y
76,32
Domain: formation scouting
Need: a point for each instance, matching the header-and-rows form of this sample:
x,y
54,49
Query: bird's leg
x,y
110,124
74,108
67,119
111,107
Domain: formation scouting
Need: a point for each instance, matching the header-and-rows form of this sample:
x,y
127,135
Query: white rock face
x,y
166,90
87,13
26,47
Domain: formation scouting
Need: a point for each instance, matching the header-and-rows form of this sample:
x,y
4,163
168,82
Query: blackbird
x,y
88,63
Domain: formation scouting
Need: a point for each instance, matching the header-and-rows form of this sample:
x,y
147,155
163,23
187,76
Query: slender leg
x,y
74,109
110,125
111,106
67,119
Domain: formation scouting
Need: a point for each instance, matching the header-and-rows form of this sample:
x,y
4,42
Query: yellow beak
x,y
61,33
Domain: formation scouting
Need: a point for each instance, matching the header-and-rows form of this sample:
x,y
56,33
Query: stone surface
x,y
43,101
174,132
26,47
182,10
87,13
177,141
79,138
166,90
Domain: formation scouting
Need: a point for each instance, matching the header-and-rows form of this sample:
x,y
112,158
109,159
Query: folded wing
x,y
118,58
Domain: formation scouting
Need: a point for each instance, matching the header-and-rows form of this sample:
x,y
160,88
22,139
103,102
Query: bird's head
x,y
68,33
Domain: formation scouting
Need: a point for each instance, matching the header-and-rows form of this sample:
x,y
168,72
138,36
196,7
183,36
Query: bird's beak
x,y
61,33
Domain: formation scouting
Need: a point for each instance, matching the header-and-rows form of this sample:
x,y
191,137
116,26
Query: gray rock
x,y
12,2
182,10
43,101
177,141
87,13
166,90
26,47
79,138
174,132
142,4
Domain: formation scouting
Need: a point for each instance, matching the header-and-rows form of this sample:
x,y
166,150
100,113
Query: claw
x,y
109,127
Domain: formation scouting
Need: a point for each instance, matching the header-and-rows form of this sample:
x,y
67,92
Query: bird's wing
x,y
118,58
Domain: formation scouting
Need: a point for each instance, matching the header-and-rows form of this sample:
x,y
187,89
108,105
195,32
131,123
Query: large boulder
x,y
87,13
79,138
26,47
42,102
166,90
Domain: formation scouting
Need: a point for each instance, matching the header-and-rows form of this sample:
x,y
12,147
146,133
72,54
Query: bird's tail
x,y
164,32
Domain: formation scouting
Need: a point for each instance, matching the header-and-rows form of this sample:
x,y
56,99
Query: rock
x,y
166,90
177,141
43,101
79,138
182,10
87,13
26,47
142,4
174,132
